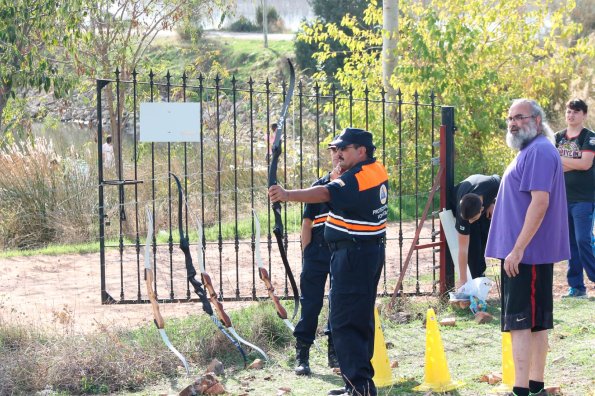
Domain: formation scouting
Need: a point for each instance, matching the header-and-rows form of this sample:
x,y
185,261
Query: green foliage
x,y
333,11
327,11
31,32
243,24
474,55
274,21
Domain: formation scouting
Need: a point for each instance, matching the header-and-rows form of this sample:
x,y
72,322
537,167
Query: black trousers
x,y
478,238
315,270
355,272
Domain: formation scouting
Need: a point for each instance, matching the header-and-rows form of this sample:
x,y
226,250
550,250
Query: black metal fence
x,y
225,178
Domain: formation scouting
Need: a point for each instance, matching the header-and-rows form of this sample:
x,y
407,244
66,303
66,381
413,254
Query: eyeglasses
x,y
518,117
341,149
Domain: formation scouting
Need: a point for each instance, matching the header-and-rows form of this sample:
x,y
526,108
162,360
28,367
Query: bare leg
x,y
539,347
521,354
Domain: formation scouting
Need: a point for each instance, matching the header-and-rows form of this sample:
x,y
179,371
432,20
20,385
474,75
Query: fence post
x,y
105,298
447,148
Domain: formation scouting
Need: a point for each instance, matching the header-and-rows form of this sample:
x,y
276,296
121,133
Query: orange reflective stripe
x,y
320,220
356,227
371,176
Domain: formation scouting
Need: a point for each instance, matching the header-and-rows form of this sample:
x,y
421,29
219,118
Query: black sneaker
x,y
337,392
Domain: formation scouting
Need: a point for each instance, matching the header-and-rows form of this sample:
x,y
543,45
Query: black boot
x,y
333,361
302,358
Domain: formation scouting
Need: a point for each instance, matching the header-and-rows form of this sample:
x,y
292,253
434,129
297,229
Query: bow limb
x,y
272,180
149,279
208,283
264,276
191,272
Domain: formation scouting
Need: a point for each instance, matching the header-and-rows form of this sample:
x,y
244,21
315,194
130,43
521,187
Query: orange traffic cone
x,y
507,365
436,376
382,371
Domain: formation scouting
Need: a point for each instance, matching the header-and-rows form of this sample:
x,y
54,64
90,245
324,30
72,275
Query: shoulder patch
x,y
592,141
383,194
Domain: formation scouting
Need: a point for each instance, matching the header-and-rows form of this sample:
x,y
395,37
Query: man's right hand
x,y
460,283
336,172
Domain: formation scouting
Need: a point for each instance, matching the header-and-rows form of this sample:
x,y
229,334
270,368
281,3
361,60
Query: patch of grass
x,y
135,362
242,58
53,250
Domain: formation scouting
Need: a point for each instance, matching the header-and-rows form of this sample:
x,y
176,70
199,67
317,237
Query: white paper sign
x,y
169,122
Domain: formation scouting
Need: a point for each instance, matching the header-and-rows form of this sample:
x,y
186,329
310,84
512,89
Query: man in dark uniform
x,y
355,231
315,269
475,198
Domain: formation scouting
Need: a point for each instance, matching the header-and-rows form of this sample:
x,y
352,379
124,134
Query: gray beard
x,y
519,140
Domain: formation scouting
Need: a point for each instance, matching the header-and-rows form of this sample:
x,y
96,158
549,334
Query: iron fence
x,y
225,178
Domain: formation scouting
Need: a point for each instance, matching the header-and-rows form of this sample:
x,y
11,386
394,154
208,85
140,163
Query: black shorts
x,y
527,299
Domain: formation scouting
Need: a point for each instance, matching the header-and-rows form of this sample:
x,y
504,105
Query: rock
x,y
283,391
337,371
215,367
483,317
394,364
448,322
208,384
400,317
215,389
257,364
187,391
464,304
553,390
492,378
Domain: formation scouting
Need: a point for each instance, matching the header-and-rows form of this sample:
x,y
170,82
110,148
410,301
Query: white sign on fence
x,y
169,122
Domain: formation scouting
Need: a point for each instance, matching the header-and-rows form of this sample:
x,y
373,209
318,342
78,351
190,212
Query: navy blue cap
x,y
353,136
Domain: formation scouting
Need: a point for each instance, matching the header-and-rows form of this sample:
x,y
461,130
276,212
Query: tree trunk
x,y
265,24
390,36
3,101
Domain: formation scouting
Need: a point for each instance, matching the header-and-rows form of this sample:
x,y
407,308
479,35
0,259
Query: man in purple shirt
x,y
529,233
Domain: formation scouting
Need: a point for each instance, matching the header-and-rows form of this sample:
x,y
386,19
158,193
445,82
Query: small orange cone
x,y
436,376
507,365
382,371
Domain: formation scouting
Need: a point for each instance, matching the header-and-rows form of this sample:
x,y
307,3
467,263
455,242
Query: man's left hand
x,y
512,261
490,211
278,193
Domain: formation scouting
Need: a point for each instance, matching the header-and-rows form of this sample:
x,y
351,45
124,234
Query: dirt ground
x,y
63,292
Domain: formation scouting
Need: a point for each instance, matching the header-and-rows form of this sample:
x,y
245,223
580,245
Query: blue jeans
x,y
580,225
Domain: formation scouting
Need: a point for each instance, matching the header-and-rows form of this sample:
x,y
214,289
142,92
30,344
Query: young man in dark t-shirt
x,y
576,145
474,205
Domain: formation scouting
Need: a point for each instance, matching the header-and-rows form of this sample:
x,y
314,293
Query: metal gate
x,y
224,177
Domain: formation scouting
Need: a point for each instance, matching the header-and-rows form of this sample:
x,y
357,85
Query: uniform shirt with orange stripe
x,y
359,203
318,213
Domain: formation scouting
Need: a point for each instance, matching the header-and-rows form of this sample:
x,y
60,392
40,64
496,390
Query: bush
x,y
190,31
274,22
44,198
305,60
243,25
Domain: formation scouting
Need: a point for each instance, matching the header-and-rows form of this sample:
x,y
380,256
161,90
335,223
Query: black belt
x,y
351,243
